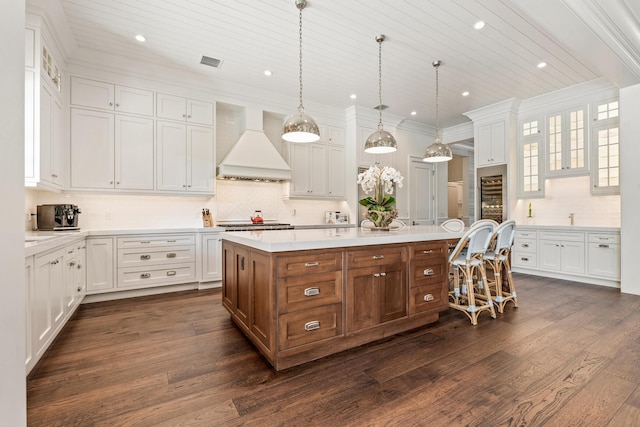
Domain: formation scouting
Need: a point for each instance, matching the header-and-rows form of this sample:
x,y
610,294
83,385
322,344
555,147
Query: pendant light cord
x,y
380,83
437,65
300,107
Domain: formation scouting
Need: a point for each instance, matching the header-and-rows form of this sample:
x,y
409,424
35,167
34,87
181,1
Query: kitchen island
x,y
299,295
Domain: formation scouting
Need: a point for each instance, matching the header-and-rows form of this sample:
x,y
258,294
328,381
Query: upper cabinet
x,y
605,148
567,143
184,109
491,144
111,97
530,159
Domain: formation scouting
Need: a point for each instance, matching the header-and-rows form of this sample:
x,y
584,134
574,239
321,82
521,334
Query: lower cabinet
x,y
211,257
100,265
565,254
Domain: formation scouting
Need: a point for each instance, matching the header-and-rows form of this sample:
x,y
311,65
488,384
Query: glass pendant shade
x,y
380,142
437,152
300,127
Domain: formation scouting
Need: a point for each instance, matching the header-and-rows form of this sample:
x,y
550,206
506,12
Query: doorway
x,y
460,185
422,187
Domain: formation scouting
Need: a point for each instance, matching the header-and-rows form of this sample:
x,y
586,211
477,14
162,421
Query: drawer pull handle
x,y
70,252
312,264
310,326
524,259
171,241
171,273
428,297
145,275
72,263
143,257
603,246
309,292
428,272
171,255
427,252
525,245
378,257
145,241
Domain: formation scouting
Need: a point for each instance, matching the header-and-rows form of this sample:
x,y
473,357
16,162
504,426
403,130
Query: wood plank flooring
x,y
568,356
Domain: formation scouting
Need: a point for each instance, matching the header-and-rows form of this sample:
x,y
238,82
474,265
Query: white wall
x,y
630,186
12,295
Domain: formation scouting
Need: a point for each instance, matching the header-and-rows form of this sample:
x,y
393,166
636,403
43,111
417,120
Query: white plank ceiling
x,y
340,54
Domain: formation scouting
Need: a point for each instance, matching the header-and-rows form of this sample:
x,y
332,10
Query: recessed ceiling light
x,y
542,64
267,73
413,113
479,25
140,38
353,96
465,93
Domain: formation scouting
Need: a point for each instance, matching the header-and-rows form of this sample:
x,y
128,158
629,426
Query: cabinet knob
x,y
72,263
79,266
184,115
110,182
117,105
111,104
189,116
184,185
79,289
145,257
54,175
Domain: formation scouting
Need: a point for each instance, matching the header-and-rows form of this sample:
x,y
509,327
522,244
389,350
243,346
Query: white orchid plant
x,y
379,181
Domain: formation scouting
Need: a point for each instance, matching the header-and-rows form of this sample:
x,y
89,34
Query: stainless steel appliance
x,y
58,217
250,226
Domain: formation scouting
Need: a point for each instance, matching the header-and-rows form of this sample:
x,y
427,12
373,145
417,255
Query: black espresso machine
x,y
58,217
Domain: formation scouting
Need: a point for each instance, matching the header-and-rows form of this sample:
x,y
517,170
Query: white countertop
x,y
568,228
292,240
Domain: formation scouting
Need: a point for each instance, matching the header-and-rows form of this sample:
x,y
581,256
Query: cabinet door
x,y
133,153
46,132
336,177
242,308
92,149
57,143
318,170
171,156
201,165
572,257
393,292
171,107
70,296
491,144
549,255
261,297
229,278
41,307
604,260
100,264
29,283
299,162
211,257
363,298
91,93
199,112
133,100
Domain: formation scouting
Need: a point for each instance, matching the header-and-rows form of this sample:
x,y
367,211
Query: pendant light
x,y
437,152
381,141
300,127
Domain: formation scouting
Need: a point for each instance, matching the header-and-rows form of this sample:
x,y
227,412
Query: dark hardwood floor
x,y
569,356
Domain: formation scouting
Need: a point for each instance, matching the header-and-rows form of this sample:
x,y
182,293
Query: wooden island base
x,y
298,306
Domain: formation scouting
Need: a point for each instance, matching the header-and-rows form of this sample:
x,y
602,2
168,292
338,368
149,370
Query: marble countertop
x,y
592,229
291,240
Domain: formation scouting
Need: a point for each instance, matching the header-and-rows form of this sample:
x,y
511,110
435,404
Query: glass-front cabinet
x,y
531,153
605,170
567,143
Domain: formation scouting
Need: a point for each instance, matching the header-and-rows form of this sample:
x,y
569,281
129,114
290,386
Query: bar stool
x,y
497,258
467,260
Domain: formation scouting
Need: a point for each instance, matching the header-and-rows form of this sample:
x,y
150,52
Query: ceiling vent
x,y
211,62
380,107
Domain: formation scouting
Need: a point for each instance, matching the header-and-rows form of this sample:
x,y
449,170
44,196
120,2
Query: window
x,y
605,175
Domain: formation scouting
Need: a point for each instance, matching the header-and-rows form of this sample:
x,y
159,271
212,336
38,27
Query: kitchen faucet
x,y
571,218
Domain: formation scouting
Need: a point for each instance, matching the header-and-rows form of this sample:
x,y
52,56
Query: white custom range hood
x,y
253,156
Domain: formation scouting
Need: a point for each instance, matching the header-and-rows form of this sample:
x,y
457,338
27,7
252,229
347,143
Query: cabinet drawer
x,y
429,250
155,256
526,234
523,259
426,272
373,257
308,326
604,260
156,240
134,277
309,290
567,237
604,238
525,245
430,297
309,264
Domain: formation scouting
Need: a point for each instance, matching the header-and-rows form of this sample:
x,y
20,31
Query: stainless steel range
x,y
250,226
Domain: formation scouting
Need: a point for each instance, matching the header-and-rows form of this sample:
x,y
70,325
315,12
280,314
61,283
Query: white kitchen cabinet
x,y
29,284
564,256
567,142
111,97
75,277
211,257
491,144
48,302
336,173
332,135
111,151
184,109
185,158
605,148
604,255
100,265
317,171
530,159
524,250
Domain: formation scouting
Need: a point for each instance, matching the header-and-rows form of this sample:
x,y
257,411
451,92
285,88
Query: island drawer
x,y
309,290
428,297
155,256
374,257
156,240
308,326
309,263
430,250
134,277
428,271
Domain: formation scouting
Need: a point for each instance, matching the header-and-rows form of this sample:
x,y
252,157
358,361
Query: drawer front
x,y
523,259
429,250
155,256
425,298
604,238
155,276
308,326
566,237
309,264
525,245
374,257
525,234
156,240
309,290
426,272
